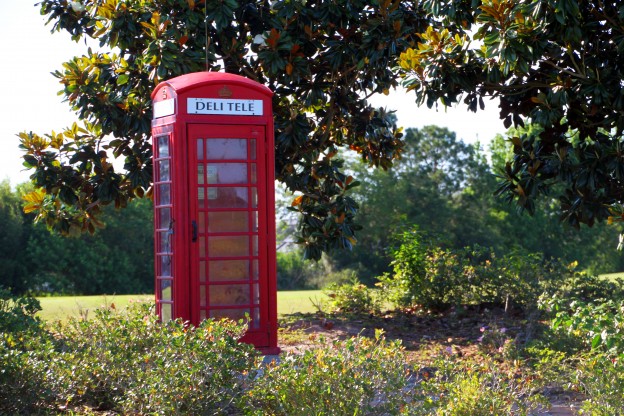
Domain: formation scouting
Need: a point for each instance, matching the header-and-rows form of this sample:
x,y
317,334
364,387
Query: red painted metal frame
x,y
176,127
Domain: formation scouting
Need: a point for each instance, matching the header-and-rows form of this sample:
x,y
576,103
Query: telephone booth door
x,y
227,187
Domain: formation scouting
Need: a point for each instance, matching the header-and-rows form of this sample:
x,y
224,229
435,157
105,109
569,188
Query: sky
x,y
29,53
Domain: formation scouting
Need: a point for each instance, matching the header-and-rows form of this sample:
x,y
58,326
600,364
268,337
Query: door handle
x,y
194,227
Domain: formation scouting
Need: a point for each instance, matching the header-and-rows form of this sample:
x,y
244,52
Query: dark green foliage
x,y
13,236
117,260
293,272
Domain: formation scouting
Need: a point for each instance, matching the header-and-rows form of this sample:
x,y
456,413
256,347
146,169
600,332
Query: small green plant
x,y
353,298
496,341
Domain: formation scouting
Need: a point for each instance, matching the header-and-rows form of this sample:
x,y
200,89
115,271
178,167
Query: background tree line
x,y
445,187
441,185
117,259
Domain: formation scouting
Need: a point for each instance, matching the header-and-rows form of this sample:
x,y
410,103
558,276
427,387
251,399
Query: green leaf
x,y
123,79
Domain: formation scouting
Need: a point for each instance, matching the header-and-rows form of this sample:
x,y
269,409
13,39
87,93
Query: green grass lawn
x,y
611,276
62,307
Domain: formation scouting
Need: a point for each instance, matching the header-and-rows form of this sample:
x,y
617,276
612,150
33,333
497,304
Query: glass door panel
x,y
227,176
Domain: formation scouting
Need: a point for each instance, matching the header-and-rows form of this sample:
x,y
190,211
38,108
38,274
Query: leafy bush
x,y
406,286
470,389
436,278
585,287
134,364
357,376
293,272
599,325
23,343
602,380
353,298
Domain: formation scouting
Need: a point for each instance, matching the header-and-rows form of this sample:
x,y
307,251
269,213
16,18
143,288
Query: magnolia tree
x,y
554,63
323,60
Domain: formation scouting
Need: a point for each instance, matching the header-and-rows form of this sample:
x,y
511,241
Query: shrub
x,y
293,272
24,345
133,364
599,325
357,376
353,298
18,314
406,286
602,380
436,278
470,389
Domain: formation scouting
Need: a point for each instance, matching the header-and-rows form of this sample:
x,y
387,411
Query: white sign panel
x,y
224,106
164,108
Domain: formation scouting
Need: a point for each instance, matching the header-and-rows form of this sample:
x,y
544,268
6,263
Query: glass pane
x,y
200,149
201,197
226,270
221,149
164,241
165,289
202,271
202,222
252,149
202,295
254,221
255,273
255,318
202,315
163,171
234,314
227,173
228,246
256,291
165,266
202,247
164,194
200,174
227,197
163,146
255,245
234,221
165,312
254,197
164,217
221,295
253,173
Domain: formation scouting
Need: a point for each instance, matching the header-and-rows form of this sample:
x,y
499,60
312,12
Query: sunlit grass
x,y
612,276
63,307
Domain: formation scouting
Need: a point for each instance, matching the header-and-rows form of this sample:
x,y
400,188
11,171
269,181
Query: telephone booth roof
x,y
199,79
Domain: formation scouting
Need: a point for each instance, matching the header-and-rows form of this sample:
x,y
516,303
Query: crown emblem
x,y
225,92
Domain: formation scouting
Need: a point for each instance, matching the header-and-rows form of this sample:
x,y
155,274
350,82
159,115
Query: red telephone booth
x,y
214,202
